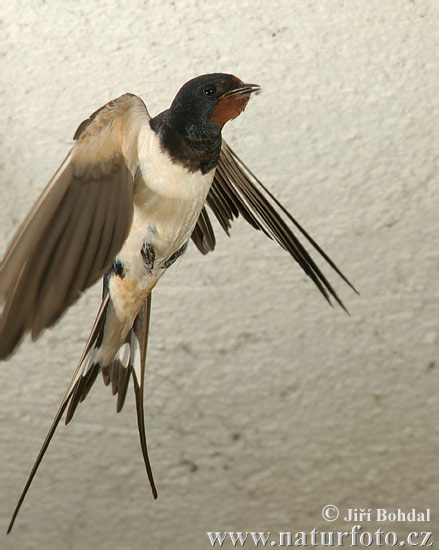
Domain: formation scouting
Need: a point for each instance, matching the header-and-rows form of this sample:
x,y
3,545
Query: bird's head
x,y
207,102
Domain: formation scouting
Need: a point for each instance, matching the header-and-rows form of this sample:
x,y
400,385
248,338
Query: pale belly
x,y
168,200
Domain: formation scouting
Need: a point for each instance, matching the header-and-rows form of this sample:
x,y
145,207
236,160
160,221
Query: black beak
x,y
244,89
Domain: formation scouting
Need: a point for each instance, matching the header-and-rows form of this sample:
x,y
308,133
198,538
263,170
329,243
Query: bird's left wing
x,y
237,191
81,220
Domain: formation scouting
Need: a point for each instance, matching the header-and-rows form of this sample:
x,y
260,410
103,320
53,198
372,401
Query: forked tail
x,y
129,361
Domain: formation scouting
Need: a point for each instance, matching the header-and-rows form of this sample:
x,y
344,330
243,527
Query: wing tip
x,y
283,234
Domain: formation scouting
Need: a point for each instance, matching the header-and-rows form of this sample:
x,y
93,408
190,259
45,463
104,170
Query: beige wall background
x,y
263,404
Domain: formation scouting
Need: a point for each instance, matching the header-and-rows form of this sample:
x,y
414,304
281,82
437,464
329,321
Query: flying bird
x,y
123,206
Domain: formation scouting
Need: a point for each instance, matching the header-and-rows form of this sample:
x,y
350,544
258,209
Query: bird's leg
x,y
148,255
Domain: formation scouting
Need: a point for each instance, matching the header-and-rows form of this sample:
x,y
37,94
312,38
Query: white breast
x,y
168,199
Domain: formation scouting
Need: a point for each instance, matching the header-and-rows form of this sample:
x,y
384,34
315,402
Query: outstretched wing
x,y
237,191
77,226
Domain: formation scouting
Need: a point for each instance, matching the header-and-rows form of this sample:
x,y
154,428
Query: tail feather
x,y
80,390
141,331
118,373
129,361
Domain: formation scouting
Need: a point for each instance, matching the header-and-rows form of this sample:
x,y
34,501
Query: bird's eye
x,y
209,90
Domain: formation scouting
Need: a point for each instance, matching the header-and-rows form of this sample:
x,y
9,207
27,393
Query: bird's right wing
x,y
76,228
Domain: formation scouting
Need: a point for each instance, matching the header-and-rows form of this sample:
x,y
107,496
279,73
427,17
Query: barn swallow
x,y
123,206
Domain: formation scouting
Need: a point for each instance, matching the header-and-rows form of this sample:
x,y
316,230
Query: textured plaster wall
x,y
263,403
